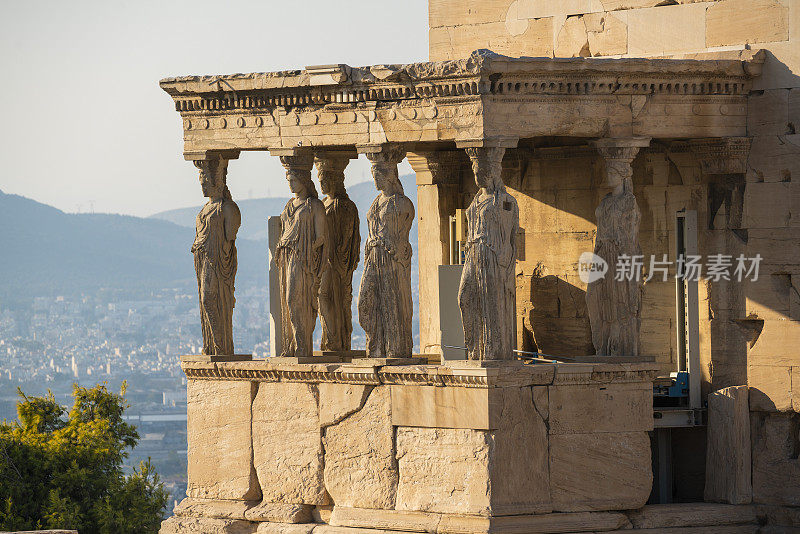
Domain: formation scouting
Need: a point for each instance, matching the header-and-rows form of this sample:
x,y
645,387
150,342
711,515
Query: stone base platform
x,y
698,518
422,448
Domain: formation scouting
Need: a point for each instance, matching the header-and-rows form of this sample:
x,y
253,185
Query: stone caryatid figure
x,y
214,251
487,292
300,255
614,306
384,300
343,244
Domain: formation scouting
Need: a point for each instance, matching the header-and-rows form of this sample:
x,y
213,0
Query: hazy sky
x,y
86,126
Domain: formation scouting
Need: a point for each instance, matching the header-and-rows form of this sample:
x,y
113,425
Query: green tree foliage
x,y
63,470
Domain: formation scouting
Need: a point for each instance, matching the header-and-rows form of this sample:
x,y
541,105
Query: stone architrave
x,y
614,305
344,242
215,263
301,257
487,292
384,300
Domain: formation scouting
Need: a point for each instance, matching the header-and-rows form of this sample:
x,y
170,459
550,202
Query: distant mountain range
x,y
48,252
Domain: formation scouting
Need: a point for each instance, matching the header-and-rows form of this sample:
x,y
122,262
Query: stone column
x,y
614,306
344,244
438,196
214,250
487,293
384,302
723,163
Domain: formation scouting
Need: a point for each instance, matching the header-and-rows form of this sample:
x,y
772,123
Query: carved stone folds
x,y
301,257
215,261
614,305
487,292
384,299
343,253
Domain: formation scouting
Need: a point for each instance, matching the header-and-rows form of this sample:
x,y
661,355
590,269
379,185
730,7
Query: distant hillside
x,y
48,252
256,211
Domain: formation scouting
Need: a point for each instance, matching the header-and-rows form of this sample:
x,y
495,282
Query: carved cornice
x,y
421,375
727,155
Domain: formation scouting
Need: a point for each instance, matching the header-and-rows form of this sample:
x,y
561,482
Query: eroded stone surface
x,y
337,401
360,465
287,443
279,513
728,456
444,470
608,471
519,471
776,467
206,525
220,450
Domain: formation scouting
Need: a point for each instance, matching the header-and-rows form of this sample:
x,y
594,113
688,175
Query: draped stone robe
x,y
215,264
384,300
300,266
336,289
487,292
614,305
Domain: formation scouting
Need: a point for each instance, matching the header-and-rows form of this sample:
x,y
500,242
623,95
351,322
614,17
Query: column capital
x,y
302,161
388,153
619,153
488,142
437,166
209,155
724,155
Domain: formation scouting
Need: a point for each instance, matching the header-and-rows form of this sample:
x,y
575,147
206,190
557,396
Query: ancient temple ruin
x,y
590,400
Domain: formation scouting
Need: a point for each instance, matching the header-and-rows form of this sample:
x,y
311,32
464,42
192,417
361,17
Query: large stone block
x,y
458,12
768,112
607,33
287,443
337,401
458,42
438,407
206,525
519,468
504,471
688,515
732,22
572,40
444,470
220,447
582,408
728,456
360,465
774,344
666,29
610,471
774,158
776,467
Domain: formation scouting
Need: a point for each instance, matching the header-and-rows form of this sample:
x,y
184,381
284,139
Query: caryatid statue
x,y
487,292
343,244
384,300
214,251
614,306
300,255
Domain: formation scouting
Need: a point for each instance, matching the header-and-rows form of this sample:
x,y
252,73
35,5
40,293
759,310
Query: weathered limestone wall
x,y
350,445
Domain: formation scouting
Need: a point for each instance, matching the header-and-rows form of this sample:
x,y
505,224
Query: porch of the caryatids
x,y
487,292
343,252
384,302
301,257
614,300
